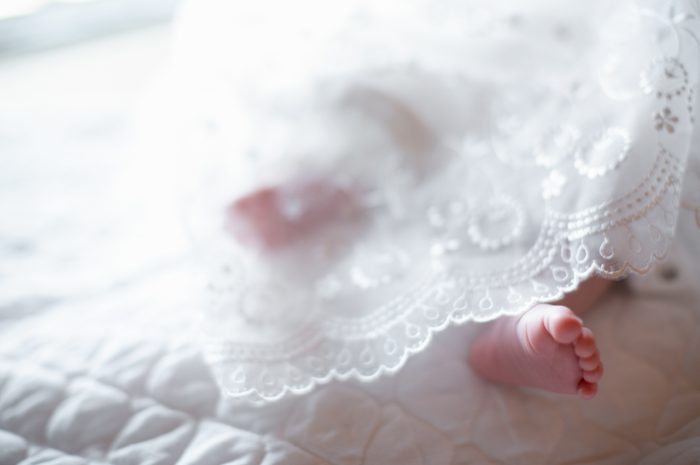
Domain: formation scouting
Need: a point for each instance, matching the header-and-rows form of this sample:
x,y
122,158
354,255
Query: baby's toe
x,y
564,326
585,344
593,376
587,390
590,363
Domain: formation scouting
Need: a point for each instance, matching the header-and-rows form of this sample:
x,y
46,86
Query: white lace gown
x,y
502,153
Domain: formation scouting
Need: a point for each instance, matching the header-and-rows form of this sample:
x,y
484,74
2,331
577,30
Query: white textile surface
x,y
498,153
98,362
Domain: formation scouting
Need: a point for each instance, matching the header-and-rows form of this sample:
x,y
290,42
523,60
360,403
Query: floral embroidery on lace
x,y
473,258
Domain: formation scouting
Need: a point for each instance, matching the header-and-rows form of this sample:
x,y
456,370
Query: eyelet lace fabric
x,y
563,146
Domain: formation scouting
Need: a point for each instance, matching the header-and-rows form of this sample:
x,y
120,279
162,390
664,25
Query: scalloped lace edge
x,y
257,395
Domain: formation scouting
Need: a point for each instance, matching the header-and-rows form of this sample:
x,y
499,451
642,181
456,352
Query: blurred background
x,y
32,25
84,202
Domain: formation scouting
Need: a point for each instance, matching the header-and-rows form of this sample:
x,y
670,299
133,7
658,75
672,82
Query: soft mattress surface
x,y
99,361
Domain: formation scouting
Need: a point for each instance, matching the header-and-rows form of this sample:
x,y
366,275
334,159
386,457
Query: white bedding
x,y
98,356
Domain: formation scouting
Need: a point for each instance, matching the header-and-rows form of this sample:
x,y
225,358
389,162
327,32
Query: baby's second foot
x,y
275,217
547,347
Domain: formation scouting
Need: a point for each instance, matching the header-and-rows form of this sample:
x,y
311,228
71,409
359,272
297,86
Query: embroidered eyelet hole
x,y
497,224
602,153
665,76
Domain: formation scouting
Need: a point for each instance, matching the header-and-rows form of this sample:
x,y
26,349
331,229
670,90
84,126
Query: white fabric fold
x,y
550,141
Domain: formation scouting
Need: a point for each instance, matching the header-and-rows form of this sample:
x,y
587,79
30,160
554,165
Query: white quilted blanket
x,y
99,364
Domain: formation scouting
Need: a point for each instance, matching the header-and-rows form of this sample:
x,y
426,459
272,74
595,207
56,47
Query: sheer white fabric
x,y
538,143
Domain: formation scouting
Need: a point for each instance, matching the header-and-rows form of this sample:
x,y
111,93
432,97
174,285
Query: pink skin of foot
x,y
273,218
547,347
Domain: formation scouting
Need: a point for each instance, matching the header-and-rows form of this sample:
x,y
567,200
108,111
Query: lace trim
x,y
638,226
345,349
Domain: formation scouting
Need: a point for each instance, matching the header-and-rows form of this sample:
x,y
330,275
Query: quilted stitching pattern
x,y
110,409
113,375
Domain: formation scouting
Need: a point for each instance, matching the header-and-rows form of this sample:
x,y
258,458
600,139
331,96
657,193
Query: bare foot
x,y
275,217
546,347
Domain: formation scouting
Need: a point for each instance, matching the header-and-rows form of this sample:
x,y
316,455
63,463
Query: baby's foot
x,y
275,217
547,347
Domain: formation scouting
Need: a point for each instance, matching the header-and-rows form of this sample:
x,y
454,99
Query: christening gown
x,y
497,154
